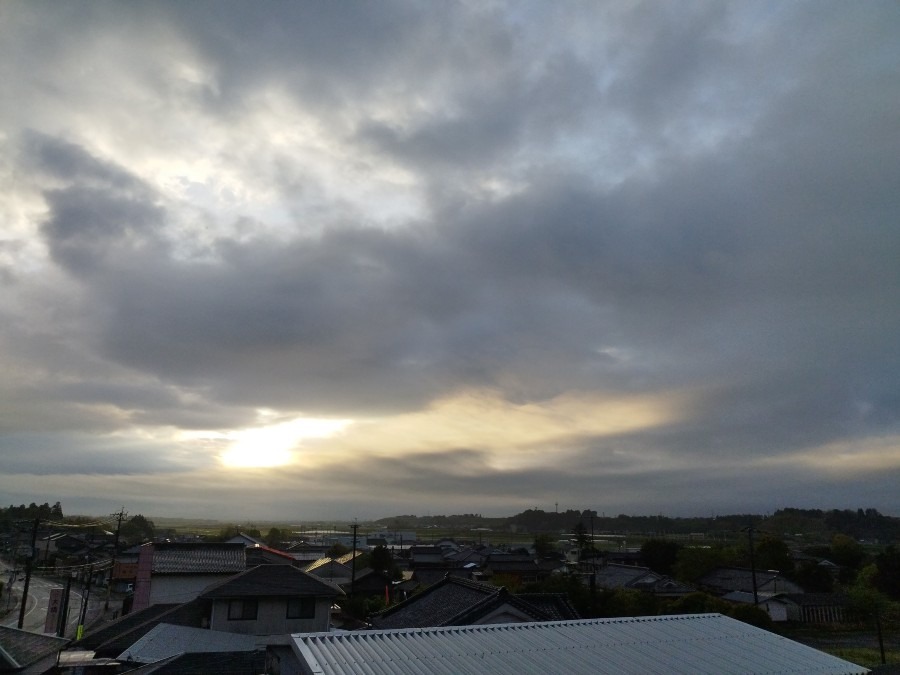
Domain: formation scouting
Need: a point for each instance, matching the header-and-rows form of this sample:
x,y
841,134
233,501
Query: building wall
x,y
271,618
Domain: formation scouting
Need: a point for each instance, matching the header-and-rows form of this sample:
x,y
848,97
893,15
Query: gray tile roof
x,y
271,581
723,579
20,648
700,644
460,602
436,605
199,558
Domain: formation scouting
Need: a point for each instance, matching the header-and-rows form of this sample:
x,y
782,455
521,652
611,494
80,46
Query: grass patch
x,y
864,656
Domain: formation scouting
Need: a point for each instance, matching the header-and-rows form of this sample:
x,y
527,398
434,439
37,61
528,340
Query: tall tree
x,y
660,555
138,529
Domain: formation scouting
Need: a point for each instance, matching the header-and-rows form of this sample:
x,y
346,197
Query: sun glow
x,y
275,444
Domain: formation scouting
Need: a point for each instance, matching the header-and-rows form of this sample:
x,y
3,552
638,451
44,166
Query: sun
x,y
275,444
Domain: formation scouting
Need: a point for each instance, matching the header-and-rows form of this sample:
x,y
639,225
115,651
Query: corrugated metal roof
x,y
693,643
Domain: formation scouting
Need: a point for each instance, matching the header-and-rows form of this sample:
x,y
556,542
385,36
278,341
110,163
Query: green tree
x,y
381,560
694,562
812,577
697,603
231,531
773,554
887,576
274,537
660,555
137,529
544,545
582,538
849,554
755,616
337,550
627,602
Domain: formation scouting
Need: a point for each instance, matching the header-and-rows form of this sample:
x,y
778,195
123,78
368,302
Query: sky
x,y
335,260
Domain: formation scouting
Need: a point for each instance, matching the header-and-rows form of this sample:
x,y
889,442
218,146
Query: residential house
x,y
271,599
305,552
176,573
246,540
461,602
812,608
372,583
426,556
428,576
330,570
511,566
723,580
266,601
260,554
639,578
26,652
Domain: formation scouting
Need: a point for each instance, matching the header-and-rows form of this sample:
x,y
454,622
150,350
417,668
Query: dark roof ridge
x,y
487,589
316,586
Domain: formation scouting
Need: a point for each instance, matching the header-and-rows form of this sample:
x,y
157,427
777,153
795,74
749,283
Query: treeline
x,y
43,511
860,524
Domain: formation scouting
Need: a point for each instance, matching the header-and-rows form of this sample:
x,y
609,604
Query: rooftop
x,y
700,644
271,581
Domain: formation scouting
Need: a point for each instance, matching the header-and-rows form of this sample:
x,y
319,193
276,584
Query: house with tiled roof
x,y
266,601
371,583
428,576
426,556
246,540
260,554
330,570
522,568
170,573
723,580
613,576
462,602
269,600
24,651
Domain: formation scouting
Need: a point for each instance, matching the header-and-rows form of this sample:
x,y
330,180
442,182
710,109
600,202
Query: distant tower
x,y
557,507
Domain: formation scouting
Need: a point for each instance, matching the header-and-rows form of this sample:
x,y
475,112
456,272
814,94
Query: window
x,y
301,608
242,610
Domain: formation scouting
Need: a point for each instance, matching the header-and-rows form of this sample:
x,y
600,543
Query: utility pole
x,y
120,516
64,608
28,562
353,561
86,594
750,531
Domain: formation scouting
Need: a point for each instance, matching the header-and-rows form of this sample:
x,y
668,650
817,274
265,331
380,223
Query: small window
x,y
301,608
242,610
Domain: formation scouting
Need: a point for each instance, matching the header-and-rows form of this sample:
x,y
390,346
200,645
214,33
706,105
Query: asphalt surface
x,y
38,600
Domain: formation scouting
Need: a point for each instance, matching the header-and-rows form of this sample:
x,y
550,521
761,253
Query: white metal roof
x,y
691,643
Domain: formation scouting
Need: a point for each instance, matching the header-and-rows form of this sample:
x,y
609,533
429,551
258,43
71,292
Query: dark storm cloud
x,y
45,454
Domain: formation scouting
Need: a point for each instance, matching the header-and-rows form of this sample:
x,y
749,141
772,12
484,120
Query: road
x,y
38,600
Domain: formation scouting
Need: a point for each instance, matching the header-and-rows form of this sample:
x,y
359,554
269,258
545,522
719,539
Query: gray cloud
x,y
698,200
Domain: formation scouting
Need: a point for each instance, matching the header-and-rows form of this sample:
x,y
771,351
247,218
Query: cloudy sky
x,y
356,259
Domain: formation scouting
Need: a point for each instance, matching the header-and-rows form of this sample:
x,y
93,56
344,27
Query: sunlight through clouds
x,y
276,444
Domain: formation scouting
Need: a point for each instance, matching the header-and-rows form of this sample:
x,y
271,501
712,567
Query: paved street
x,y
38,599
